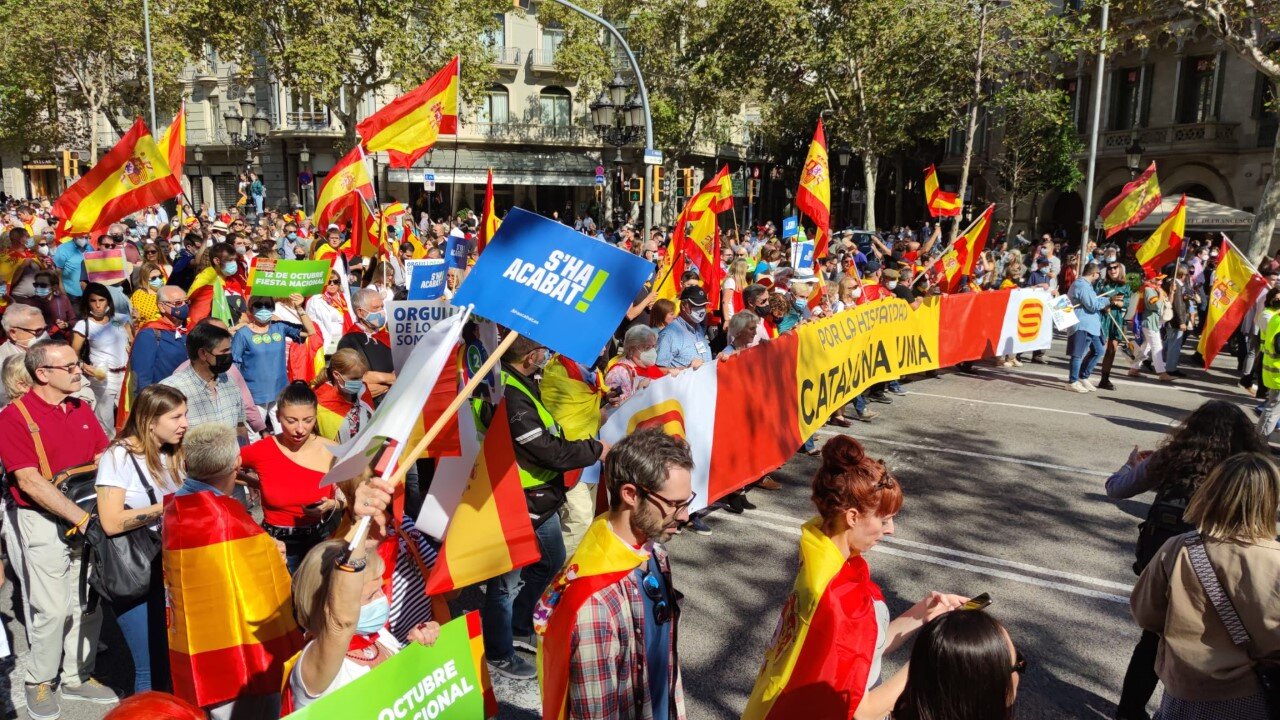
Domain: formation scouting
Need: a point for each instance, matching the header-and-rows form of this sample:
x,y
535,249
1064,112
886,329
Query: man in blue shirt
x,y
69,259
683,343
1085,342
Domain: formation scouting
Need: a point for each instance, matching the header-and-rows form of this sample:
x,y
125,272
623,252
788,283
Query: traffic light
x,y
659,189
686,183
635,190
753,189
521,4
70,164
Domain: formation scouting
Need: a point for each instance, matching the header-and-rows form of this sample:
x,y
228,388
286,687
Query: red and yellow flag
x,y
959,259
490,533
1165,244
449,442
814,196
104,266
231,624
346,184
722,183
697,234
1236,287
1135,201
173,143
941,203
810,671
368,232
600,560
134,175
409,125
489,222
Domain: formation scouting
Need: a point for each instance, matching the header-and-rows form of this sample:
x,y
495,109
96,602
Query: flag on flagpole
x,y
490,532
814,195
1135,201
346,184
941,203
957,262
173,143
1236,287
368,232
489,222
409,125
1165,244
133,175
696,235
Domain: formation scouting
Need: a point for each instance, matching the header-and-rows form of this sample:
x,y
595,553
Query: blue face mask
x,y
229,267
158,282
354,388
81,242
293,236
376,320
30,242
373,616
42,292
180,314
262,315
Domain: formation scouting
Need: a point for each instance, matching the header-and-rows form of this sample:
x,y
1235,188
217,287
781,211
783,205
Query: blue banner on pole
x,y
455,251
790,226
553,284
802,256
426,279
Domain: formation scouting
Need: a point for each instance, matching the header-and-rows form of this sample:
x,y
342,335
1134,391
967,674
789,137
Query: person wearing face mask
x,y
258,347
53,304
345,402
288,243
150,279
369,338
835,628
328,310
683,344
212,396
219,289
21,264
637,364
69,260
543,455
158,346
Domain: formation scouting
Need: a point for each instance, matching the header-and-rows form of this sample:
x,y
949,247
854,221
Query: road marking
x,y
1003,574
968,453
971,556
1012,405
1005,372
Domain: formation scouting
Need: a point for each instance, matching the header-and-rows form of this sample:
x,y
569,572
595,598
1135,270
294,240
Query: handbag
x,y
77,483
120,565
1268,674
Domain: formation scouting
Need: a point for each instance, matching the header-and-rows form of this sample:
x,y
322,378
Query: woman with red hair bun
x,y
153,705
835,628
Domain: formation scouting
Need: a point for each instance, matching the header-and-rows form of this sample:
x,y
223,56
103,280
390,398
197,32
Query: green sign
x,y
418,683
281,278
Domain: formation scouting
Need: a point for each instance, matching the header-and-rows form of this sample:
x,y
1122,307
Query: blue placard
x,y
553,284
455,251
790,226
802,252
426,279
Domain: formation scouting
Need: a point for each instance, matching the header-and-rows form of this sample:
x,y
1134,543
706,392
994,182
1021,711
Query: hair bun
x,y
841,454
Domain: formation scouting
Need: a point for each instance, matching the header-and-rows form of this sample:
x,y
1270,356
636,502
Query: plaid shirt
x,y
608,676
220,404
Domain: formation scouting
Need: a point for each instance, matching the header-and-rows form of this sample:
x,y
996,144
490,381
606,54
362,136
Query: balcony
x,y
505,58
516,133
313,120
1181,138
543,60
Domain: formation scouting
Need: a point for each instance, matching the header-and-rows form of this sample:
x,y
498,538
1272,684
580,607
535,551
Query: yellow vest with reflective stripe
x,y
1270,360
534,477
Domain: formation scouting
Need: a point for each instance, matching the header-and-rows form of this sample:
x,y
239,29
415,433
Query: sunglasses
x,y
335,282
153,277
653,588
150,252
263,306
106,246
40,285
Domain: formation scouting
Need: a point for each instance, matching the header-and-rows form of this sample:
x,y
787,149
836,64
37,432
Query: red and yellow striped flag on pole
x,y
490,532
814,196
231,625
1135,201
173,143
1236,287
941,203
132,176
489,222
409,125
347,183
1165,244
957,262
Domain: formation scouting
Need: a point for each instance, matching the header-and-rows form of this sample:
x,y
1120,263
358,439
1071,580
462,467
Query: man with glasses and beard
x,y
607,623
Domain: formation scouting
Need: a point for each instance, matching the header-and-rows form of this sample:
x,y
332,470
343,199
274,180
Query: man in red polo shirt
x,y
62,633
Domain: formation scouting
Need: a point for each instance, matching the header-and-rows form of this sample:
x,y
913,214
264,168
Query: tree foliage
x,y
1039,146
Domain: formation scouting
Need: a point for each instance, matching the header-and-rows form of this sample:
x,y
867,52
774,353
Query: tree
x,y
1038,146
342,51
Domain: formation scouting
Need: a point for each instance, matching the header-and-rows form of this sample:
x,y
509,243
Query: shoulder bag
x,y
76,483
1268,674
121,564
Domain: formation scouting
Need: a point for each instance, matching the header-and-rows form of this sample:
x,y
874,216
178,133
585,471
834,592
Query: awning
x,y
514,167
1202,215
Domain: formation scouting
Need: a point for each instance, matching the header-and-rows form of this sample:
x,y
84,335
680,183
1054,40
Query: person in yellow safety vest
x,y
573,393
543,454
1270,362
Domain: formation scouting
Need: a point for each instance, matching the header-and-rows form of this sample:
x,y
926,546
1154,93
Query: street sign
x,y
599,169
600,178
428,179
790,226
652,157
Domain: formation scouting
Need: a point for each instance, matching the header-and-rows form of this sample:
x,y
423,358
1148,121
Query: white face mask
x,y
891,284
856,292
648,358
698,315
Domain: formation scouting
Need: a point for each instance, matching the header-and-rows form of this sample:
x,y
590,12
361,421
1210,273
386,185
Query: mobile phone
x,y
315,504
977,603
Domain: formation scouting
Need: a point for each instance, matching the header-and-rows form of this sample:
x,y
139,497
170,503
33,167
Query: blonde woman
x,y
135,475
731,290
151,277
1205,671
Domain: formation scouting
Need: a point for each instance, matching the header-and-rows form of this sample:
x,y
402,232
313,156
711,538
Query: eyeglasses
x,y
674,505
29,331
174,303
70,368
1019,663
654,588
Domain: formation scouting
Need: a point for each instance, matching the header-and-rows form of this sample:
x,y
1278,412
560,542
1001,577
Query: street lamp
x,y
1133,156
617,119
845,155
247,127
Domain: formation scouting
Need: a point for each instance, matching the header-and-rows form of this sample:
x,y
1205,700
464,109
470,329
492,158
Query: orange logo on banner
x,y
1030,316
667,416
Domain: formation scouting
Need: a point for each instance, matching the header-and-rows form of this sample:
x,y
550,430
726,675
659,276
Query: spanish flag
x,y
333,411
173,143
368,232
1135,201
814,196
809,671
104,266
601,560
696,234
723,185
346,184
132,176
449,442
231,624
1165,244
490,532
941,203
489,222
1236,287
958,261
409,126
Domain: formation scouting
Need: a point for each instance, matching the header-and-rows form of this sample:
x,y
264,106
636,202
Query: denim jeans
x,y
1172,347
809,446
860,403
510,598
1086,350
142,622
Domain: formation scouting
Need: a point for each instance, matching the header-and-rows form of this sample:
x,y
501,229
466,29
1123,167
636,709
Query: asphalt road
x,y
1003,472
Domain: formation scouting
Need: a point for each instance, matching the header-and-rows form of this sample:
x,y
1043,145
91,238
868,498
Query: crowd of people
x,y
173,379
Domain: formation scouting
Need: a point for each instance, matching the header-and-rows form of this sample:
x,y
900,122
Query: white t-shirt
x,y
330,320
349,672
116,469
108,343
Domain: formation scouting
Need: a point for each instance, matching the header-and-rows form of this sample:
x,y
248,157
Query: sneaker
x,y
527,643
514,667
1085,382
1078,387
698,525
42,702
880,398
1038,359
90,691
1015,362
867,415
733,505
769,483
897,390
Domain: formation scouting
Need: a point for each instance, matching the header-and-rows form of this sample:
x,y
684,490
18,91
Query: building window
x,y
305,111
556,106
1197,89
1076,92
1266,111
1126,99
493,110
552,38
495,37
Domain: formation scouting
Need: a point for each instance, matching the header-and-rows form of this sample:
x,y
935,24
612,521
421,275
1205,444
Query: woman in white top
x,y
380,277
328,311
109,340
135,475
735,282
